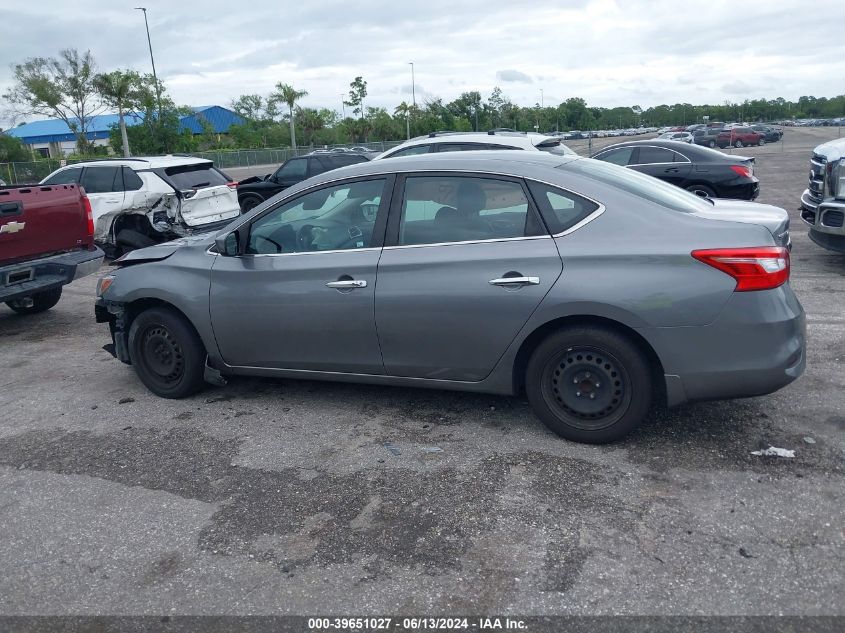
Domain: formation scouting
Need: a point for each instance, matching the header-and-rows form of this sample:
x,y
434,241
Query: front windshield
x,y
640,185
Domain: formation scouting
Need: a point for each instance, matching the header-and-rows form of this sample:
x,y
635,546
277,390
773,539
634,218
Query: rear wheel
x,y
712,144
589,384
167,353
248,203
41,302
702,190
129,240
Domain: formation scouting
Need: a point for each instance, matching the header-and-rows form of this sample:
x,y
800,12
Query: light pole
x,y
343,106
152,59
413,87
542,103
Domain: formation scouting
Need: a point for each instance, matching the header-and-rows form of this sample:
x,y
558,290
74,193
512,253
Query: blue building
x,y
53,138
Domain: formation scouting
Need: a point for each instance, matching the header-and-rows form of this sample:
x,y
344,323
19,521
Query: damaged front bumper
x,y
115,315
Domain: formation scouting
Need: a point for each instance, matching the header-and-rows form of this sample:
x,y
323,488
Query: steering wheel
x,y
305,238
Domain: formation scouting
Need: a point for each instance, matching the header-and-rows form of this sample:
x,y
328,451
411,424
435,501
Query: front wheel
x,y
738,143
41,302
762,141
589,384
167,353
712,144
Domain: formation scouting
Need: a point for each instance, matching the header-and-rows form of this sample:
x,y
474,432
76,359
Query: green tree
x,y
61,88
403,111
12,150
117,90
357,92
285,93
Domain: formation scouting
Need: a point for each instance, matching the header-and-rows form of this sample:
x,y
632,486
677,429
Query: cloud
x,y
513,76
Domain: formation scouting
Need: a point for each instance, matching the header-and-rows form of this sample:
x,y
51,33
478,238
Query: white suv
x,y
468,141
138,202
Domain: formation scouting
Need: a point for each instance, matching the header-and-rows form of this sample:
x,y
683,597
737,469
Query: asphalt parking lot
x,y
284,497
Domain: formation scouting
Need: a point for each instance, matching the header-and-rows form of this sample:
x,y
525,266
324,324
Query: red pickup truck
x,y
46,241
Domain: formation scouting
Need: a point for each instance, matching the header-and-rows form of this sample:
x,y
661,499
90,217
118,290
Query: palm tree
x,y
404,110
289,95
116,89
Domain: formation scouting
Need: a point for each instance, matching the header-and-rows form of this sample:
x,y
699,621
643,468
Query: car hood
x,y
165,250
773,218
832,150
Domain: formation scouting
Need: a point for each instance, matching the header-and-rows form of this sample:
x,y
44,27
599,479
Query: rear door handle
x,y
347,283
515,281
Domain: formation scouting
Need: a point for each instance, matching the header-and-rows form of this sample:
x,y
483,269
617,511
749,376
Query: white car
x,y
683,137
138,202
467,141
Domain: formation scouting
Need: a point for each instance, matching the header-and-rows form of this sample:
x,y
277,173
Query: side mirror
x,y
228,244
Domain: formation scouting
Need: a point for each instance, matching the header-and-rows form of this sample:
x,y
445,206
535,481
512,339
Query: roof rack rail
x,y
438,132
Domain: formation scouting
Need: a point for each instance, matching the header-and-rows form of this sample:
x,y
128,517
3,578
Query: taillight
x,y
232,185
756,268
742,170
89,215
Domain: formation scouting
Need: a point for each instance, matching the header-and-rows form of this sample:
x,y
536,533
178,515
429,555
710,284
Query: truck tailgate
x,y
40,220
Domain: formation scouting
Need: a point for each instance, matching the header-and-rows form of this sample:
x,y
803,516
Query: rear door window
x,y
195,176
460,147
102,179
294,169
649,155
443,209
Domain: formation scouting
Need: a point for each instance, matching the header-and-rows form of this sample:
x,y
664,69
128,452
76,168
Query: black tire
x,y
702,190
130,239
762,141
167,353
589,384
712,144
738,143
41,302
248,203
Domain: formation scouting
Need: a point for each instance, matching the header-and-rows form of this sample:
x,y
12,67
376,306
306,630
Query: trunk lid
x,y
775,219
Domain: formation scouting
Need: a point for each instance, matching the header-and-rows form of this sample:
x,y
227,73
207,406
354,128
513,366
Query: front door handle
x,y
347,284
515,281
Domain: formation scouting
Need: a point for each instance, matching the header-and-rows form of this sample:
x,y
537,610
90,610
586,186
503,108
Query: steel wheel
x,y
162,354
588,386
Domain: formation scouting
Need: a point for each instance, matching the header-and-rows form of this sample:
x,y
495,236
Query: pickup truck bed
x,y
46,241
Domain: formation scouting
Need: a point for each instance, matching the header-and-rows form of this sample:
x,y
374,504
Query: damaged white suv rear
x,y
139,202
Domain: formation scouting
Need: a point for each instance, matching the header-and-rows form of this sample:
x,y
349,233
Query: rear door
x,y
204,193
662,163
104,186
468,262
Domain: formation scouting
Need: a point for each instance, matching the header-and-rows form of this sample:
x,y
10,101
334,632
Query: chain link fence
x,y
37,170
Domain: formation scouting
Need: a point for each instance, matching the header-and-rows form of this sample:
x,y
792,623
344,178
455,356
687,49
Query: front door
x,y
302,295
468,262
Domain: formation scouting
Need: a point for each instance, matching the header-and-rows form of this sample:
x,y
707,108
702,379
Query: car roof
x,y
517,139
145,162
502,162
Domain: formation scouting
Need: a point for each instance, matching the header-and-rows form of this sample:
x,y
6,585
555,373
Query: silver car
x,y
598,291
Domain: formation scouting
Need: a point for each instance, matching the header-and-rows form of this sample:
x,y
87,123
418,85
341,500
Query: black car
x,y
253,191
771,134
703,171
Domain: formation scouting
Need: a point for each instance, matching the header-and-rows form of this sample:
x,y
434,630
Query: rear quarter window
x,y
560,209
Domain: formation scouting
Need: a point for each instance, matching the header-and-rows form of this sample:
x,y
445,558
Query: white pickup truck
x,y
823,201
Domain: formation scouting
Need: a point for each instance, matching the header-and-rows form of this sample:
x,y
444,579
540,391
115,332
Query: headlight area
x,y
103,284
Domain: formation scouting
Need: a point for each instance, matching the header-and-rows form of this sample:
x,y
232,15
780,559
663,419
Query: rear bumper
x,y
743,191
755,347
47,273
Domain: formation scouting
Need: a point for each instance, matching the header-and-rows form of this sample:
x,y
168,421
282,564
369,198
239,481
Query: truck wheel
x,y
40,302
167,353
248,203
589,384
130,239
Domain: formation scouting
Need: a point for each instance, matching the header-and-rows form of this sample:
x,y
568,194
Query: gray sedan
x,y
598,291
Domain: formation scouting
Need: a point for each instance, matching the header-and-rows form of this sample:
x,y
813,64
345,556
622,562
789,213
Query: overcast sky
x,y
610,52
